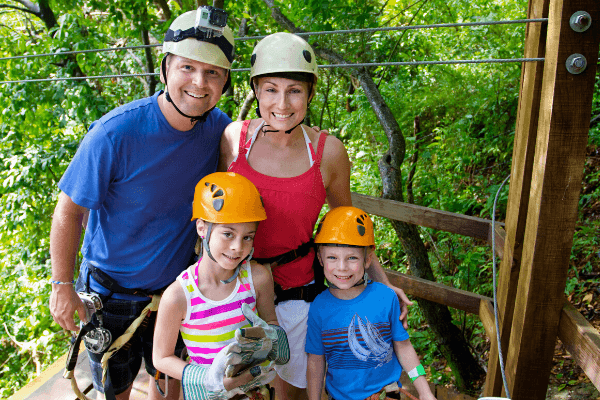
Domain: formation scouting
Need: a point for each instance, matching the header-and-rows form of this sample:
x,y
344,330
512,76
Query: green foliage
x,y
467,115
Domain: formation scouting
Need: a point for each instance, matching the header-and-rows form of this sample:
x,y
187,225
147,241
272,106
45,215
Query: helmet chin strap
x,y
205,245
200,118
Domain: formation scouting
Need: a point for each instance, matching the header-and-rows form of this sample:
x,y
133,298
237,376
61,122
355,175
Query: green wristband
x,y
416,372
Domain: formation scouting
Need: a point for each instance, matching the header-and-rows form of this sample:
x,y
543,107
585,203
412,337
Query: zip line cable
x,y
495,288
318,33
357,65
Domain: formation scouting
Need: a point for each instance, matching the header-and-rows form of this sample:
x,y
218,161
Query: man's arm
x,y
315,375
64,244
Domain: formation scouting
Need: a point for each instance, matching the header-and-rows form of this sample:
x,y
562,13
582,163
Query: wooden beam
x,y
520,182
582,341
437,292
465,225
486,315
561,141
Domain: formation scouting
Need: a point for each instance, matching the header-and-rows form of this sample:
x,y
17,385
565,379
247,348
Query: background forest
x,y
454,161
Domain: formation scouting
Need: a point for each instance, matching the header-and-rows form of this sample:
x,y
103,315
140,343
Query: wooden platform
x,y
51,385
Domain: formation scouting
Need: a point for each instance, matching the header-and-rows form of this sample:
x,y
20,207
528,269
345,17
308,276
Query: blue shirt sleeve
x,y
314,344
92,169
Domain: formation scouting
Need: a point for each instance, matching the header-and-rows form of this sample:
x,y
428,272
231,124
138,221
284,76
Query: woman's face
x,y
283,102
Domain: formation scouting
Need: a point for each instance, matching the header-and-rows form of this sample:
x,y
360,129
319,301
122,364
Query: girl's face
x,y
229,243
283,102
343,266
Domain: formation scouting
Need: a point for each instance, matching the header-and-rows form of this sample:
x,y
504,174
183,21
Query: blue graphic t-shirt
x,y
356,336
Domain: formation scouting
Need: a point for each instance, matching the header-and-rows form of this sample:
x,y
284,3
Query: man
x,y
135,171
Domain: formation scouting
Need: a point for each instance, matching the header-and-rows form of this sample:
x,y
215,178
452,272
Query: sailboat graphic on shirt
x,y
376,348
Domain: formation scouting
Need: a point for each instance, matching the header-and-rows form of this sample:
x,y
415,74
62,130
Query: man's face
x,y
194,86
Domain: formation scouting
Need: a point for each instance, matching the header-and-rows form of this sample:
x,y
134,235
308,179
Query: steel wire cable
x,y
495,289
356,65
318,33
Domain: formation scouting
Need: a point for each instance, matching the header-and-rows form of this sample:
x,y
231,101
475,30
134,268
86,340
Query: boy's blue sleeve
x,y
398,332
314,344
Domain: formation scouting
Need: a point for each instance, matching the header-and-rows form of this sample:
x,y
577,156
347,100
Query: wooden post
x,y
552,211
520,181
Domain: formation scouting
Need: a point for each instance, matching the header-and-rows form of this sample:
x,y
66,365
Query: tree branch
x,y
164,7
30,5
20,9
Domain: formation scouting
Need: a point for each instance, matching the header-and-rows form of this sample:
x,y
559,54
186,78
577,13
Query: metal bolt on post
x,y
580,21
576,63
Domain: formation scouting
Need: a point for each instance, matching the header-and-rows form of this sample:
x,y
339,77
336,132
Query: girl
x,y
205,303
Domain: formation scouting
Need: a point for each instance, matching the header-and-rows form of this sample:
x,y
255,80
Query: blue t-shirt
x,y
356,336
137,174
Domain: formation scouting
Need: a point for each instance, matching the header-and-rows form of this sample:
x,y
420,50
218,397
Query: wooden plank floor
x,y
51,385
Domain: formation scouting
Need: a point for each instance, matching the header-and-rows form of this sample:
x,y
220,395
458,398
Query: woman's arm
x,y
377,273
315,374
335,168
407,356
171,312
265,295
229,146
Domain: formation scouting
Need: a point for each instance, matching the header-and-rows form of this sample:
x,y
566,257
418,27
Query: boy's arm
x,y
315,374
171,311
409,360
265,295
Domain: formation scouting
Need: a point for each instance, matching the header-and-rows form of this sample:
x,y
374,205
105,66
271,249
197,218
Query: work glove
x,y
261,375
206,383
256,344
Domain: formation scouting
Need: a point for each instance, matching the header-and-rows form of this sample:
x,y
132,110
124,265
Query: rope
x,y
494,283
318,33
357,65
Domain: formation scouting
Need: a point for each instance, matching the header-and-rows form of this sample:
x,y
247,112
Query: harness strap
x,y
109,283
289,256
72,361
142,321
306,293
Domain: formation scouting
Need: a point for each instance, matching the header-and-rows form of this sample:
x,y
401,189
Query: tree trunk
x,y
451,343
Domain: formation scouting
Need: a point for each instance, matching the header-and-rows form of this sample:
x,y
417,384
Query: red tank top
x,y
292,206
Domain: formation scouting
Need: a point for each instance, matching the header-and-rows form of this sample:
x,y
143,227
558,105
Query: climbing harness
x,y
98,339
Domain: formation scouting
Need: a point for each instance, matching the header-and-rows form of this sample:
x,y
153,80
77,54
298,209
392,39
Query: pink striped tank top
x,y
210,325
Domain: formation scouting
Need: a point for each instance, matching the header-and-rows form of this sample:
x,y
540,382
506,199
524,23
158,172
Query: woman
x,y
296,170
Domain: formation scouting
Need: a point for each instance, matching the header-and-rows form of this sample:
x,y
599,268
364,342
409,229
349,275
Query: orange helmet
x,y
227,198
346,226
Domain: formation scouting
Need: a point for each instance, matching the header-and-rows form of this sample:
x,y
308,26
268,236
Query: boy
x,y
354,325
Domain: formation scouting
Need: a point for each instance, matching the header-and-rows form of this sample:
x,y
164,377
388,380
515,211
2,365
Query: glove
x,y
206,383
261,376
254,345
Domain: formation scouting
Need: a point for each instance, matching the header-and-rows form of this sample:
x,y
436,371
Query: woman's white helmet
x,y
283,52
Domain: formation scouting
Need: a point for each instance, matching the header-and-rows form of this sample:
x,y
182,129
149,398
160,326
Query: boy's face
x,y
343,266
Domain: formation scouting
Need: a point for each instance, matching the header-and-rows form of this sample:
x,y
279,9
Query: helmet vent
x,y
213,187
307,55
253,59
218,193
361,230
361,225
218,204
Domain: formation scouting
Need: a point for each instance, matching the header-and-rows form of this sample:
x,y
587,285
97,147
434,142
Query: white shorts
x,y
293,317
